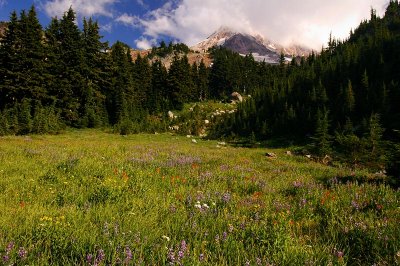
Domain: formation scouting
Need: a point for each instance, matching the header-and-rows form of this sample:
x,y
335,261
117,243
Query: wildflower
x,y
339,254
100,255
230,228
9,247
89,258
6,258
22,253
355,205
116,227
198,205
201,257
224,236
303,202
297,184
171,256
128,255
166,238
247,263
258,261
226,197
183,246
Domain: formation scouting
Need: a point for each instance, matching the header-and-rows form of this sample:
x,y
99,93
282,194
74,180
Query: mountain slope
x,y
261,48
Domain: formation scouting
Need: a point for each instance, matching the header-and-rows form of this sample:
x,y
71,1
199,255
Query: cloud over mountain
x,y
307,22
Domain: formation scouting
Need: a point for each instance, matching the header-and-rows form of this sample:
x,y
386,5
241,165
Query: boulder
x,y
236,97
171,115
270,155
206,122
194,141
289,153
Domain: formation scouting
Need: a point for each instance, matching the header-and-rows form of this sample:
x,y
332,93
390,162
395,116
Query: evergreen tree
x,y
159,100
203,81
349,100
322,144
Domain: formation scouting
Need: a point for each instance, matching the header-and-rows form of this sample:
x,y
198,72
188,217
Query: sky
x,y
144,23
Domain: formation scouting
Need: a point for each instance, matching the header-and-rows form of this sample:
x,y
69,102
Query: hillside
x,y
193,57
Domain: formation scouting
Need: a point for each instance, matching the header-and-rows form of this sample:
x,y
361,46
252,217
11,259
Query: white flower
x,y
166,238
205,206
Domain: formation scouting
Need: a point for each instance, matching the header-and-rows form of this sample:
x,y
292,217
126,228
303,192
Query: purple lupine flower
x,y
224,236
89,258
181,254
297,184
171,256
9,247
355,205
183,246
339,254
128,255
224,167
100,255
226,197
6,258
22,253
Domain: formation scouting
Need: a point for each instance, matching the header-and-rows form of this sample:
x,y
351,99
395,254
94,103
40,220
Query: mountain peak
x,y
243,43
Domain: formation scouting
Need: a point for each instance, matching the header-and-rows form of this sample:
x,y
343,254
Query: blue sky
x,y
117,19
143,23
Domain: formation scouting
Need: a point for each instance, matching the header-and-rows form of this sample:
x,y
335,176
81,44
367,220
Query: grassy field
x,y
92,198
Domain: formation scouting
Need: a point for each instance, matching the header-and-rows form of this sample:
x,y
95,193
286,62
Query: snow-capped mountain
x,y
242,43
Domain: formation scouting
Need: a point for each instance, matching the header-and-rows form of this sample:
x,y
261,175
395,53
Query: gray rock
x,y
236,97
270,155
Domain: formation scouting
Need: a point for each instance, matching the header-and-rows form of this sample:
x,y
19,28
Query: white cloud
x,y
107,27
142,3
307,22
3,3
128,20
145,43
85,8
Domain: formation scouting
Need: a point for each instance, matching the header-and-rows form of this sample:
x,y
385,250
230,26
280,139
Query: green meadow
x,y
94,198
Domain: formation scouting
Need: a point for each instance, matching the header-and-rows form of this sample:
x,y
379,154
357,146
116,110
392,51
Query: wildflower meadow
x,y
93,198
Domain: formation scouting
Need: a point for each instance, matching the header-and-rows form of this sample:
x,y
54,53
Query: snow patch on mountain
x,y
242,43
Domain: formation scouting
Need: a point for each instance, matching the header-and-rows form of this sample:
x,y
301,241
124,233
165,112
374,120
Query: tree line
x,y
66,76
